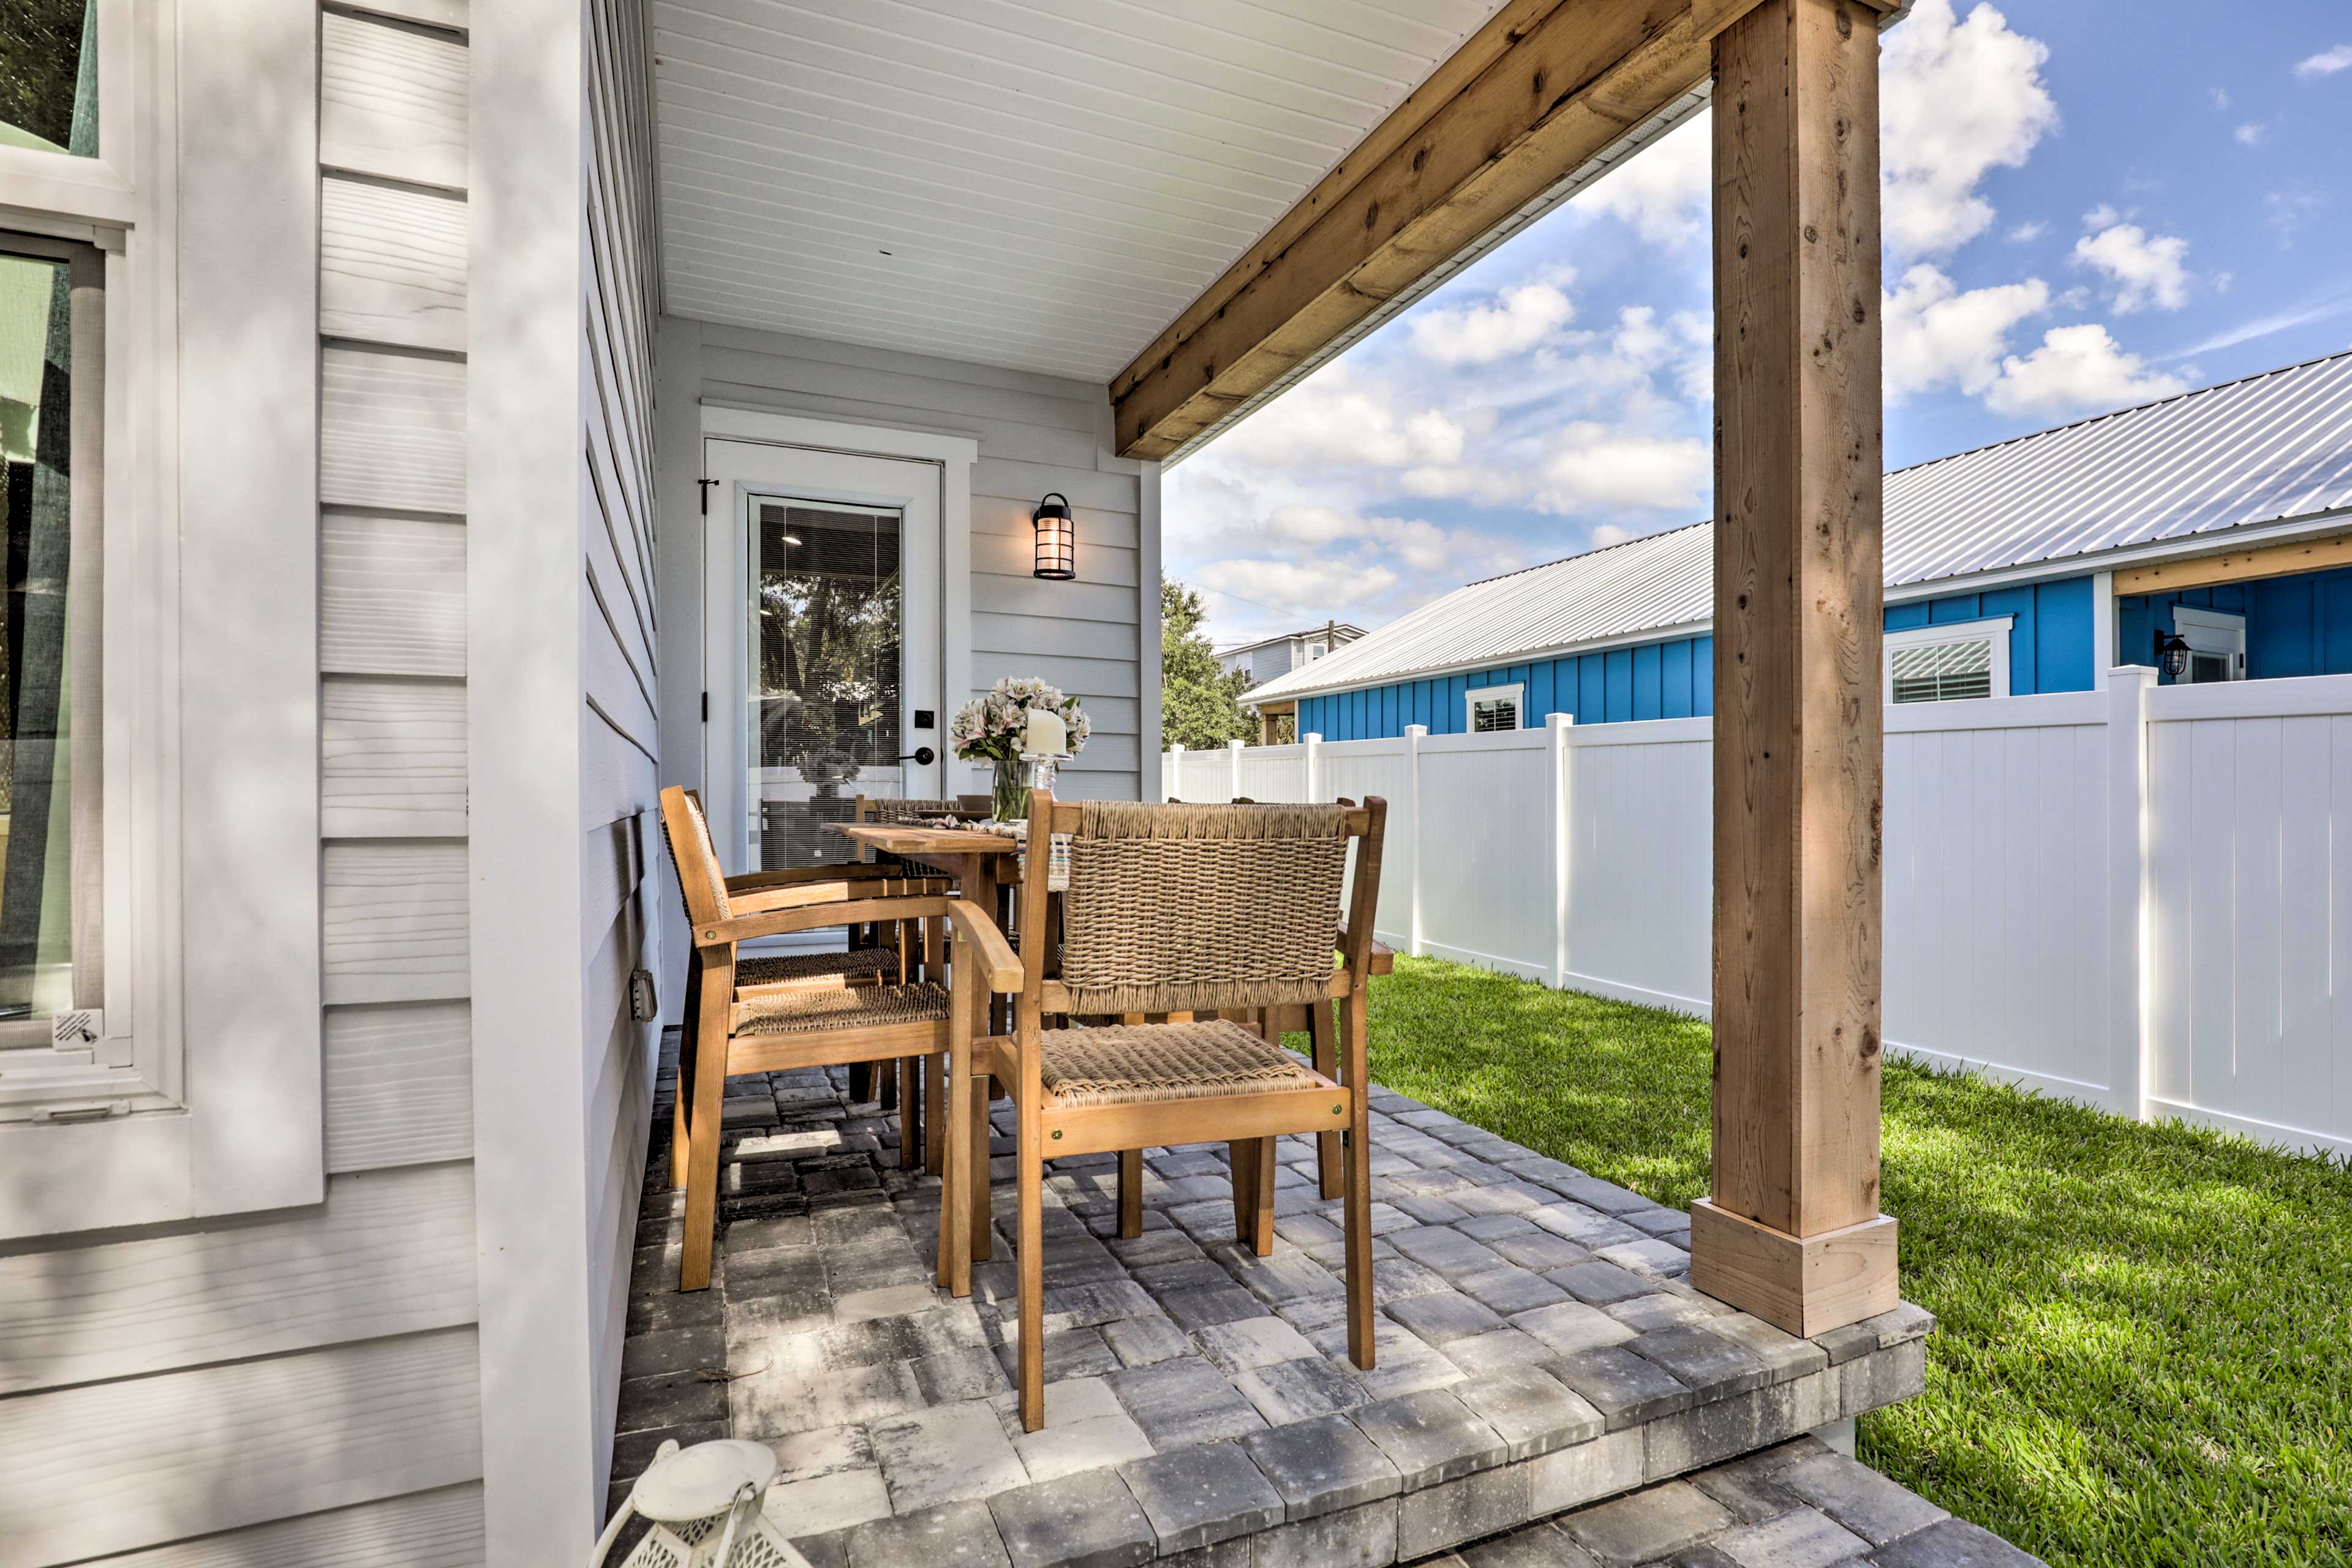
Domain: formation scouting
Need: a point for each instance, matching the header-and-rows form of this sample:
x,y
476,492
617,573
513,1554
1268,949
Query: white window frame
x,y
1992,628
1516,691
2213,631
208,722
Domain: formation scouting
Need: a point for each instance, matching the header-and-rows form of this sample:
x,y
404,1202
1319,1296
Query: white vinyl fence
x,y
2140,898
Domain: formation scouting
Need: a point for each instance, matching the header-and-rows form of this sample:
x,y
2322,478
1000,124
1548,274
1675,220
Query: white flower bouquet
x,y
990,728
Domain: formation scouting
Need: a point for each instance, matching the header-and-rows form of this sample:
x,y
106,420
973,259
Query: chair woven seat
x,y
848,1007
1135,1064
781,968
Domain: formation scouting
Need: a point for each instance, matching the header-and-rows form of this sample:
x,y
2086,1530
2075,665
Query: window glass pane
x,y
825,681
36,775
48,75
1946,673
1491,713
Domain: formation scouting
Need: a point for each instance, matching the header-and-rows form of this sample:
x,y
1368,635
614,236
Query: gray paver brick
x,y
1322,1465
1801,1538
1858,1497
1443,1315
1140,1342
827,1502
1430,1437
1295,1390
1183,1402
1087,1520
1445,1249
1600,1283
1652,1523
1200,1495
1952,1543
1537,1546
1625,1387
1496,1351
1249,1343
1511,1288
1212,1304
1703,1360
1572,1326
959,1535
1532,1411
949,1453
1448,1514
1067,1444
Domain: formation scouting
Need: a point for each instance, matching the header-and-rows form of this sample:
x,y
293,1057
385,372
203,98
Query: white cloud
x,y
1308,584
2327,62
1960,99
2026,233
1607,535
2290,209
2103,215
2077,370
1594,466
2253,133
1664,193
1936,336
2221,97
1334,418
1480,335
2146,270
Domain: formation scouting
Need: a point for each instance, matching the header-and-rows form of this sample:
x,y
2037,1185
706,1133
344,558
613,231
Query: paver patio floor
x,y
1539,1350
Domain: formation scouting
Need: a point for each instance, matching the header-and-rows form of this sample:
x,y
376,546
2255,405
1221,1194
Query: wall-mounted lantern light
x,y
2171,654
1057,538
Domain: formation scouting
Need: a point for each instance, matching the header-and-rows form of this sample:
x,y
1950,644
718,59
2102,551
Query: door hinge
x,y
706,708
704,486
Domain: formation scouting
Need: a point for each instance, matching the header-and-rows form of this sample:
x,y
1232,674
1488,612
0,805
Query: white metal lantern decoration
x,y
703,1503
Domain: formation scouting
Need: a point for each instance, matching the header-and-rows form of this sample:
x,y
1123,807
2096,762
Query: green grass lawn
x,y
2145,1354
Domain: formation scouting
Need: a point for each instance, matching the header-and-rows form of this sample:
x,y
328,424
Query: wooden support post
x,y
1792,1232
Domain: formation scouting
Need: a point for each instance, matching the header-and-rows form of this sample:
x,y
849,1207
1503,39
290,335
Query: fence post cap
x,y
1416,731
1558,720
1311,739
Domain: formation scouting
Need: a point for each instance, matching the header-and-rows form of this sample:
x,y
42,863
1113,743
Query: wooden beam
x,y
2238,566
1798,604
1532,96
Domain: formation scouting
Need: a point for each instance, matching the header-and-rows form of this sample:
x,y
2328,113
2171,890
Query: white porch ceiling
x,y
1035,183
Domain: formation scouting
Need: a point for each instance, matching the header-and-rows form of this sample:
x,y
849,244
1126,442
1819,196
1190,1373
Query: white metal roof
x,y
2272,449
1037,184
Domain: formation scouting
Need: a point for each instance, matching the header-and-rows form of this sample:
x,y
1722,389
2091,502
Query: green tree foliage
x,y
1200,704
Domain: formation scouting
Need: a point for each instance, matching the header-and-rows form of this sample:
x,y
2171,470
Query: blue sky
x,y
2086,206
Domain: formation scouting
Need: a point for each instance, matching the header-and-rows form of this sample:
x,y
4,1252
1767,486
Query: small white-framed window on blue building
x,y
1958,660
1486,709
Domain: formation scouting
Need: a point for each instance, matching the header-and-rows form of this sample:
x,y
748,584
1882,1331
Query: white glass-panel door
x,y
823,660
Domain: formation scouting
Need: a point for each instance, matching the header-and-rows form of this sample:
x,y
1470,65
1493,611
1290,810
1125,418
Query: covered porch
x,y
950,249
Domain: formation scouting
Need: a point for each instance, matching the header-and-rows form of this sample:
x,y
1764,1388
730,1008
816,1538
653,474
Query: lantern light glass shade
x,y
2171,654
1057,538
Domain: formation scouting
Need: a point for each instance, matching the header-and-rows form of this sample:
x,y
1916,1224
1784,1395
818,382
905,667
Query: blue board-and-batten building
x,y
2223,517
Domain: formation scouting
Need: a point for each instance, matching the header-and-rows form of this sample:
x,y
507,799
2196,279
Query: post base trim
x,y
1805,1285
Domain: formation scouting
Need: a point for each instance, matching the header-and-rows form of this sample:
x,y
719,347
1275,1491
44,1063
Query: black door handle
x,y
921,756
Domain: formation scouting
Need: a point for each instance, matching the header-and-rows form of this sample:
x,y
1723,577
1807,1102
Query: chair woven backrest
x,y
1195,908
880,810
692,854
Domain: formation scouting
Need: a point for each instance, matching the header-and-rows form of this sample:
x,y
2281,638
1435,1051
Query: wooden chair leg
x,y
682,1113
1241,1158
861,1083
1358,1206
907,1078
951,1088
936,1120
1131,1194
702,1170
1254,1197
983,1213
1031,1247
886,1075
1325,1048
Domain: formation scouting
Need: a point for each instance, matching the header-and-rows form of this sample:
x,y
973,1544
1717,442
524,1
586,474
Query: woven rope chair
x,y
1177,913
736,1021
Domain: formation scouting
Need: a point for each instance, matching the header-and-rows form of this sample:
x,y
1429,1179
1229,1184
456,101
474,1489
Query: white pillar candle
x,y
1047,735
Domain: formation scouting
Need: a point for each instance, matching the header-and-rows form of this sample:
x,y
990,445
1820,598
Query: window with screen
x,y
1943,672
1493,708
1951,663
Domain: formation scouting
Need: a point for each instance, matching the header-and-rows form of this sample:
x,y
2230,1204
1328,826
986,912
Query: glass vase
x,y
1008,799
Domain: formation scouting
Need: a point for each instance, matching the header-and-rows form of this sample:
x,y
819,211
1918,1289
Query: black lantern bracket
x,y
2171,654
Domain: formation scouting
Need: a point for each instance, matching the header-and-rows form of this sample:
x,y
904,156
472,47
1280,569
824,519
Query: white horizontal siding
x,y
438,1529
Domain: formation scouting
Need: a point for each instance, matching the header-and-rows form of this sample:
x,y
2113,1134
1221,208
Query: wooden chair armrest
x,y
1004,974
1383,955
799,896
751,881
740,927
